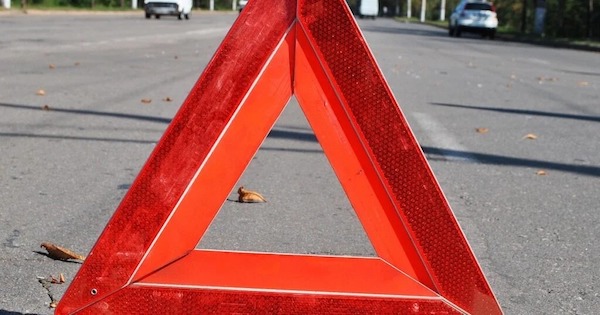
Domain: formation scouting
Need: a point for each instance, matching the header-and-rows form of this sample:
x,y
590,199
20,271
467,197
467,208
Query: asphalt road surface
x,y
510,130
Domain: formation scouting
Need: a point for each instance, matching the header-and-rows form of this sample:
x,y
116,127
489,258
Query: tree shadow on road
x,y
89,112
5,312
523,112
493,159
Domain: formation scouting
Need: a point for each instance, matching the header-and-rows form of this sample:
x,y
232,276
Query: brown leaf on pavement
x,y
60,280
482,130
541,79
146,100
583,83
46,107
60,253
51,66
249,196
530,136
541,172
40,92
167,99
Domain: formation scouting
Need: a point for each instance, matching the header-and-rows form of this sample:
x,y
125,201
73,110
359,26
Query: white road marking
x,y
442,139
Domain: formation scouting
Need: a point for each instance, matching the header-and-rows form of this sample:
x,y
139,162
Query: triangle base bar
x,y
157,300
288,272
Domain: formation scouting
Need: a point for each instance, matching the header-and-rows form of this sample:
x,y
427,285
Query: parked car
x,y
473,16
242,4
179,8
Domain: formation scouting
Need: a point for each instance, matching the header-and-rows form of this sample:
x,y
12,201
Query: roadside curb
x,y
548,43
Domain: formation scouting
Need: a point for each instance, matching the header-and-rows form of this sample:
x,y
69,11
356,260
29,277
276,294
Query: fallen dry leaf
x,y
51,66
249,196
46,107
53,304
60,280
40,92
482,130
547,79
583,83
530,136
146,100
77,63
167,99
60,253
541,172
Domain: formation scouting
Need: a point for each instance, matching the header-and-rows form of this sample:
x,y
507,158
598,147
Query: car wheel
x,y
450,31
180,16
457,31
492,34
187,16
157,16
147,15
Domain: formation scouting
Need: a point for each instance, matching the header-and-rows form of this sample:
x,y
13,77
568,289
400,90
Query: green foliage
x,y
564,18
81,4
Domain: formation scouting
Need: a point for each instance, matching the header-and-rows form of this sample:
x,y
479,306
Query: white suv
x,y
473,16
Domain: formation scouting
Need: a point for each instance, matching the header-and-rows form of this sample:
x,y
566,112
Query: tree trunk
x,y
589,19
524,17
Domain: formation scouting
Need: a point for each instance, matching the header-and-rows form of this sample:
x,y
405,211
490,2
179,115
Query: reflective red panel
x,y
421,203
406,191
180,152
143,300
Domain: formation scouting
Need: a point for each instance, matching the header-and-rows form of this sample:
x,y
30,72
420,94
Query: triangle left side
x,y
186,144
228,159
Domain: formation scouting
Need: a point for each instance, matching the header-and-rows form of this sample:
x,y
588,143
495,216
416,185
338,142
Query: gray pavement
x,y
68,157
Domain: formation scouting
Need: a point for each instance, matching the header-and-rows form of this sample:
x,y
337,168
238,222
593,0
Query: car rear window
x,y
478,6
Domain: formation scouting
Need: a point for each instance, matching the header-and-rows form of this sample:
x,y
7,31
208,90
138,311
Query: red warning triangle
x,y
145,261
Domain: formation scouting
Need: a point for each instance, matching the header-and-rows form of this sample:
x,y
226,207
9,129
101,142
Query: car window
x,y
478,6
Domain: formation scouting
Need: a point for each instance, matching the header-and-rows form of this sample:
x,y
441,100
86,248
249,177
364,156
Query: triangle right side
x,y
351,165
378,160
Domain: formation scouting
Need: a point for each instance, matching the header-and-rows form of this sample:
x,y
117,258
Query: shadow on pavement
x,y
90,112
523,112
494,159
5,312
